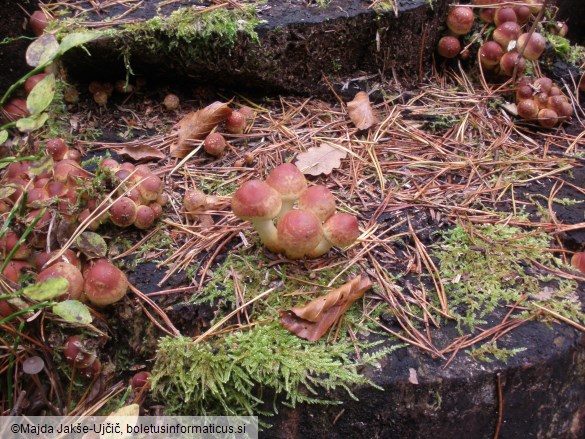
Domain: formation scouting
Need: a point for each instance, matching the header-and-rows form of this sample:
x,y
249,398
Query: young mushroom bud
x,y
259,203
123,212
543,84
318,200
57,148
289,182
15,109
527,109
194,203
490,54
121,86
578,261
506,32
510,61
171,102
236,123
150,187
104,283
299,232
38,22
100,98
505,15
214,144
341,230
140,380
76,353
70,273
449,47
145,217
547,118
32,81
460,20
522,14
534,46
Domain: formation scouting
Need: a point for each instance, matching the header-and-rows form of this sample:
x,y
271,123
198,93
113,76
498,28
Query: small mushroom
x,y
340,230
104,283
319,200
259,203
299,232
214,144
289,182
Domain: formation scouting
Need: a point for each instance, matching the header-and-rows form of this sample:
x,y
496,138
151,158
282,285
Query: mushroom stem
x,y
323,247
287,205
267,232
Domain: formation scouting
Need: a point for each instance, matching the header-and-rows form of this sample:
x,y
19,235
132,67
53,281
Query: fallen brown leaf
x,y
360,111
142,152
314,319
320,159
197,125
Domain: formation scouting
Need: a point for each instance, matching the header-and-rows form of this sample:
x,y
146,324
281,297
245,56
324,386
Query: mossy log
x,y
296,48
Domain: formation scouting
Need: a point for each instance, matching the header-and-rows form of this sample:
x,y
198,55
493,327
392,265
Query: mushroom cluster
x,y
511,44
310,230
96,281
140,193
543,101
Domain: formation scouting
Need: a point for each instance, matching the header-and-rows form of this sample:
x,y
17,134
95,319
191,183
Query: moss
x,y
573,54
233,374
491,266
488,352
191,30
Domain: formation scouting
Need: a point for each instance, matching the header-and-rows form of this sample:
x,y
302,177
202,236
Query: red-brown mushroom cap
x,y
318,200
341,229
299,232
259,203
214,144
255,199
290,183
123,212
104,283
68,272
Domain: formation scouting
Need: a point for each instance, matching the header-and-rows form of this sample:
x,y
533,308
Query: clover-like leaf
x,y
31,123
46,290
73,311
77,39
41,95
42,50
42,166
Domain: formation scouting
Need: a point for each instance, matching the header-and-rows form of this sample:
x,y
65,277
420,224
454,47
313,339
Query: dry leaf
x,y
314,319
360,111
320,159
197,125
142,152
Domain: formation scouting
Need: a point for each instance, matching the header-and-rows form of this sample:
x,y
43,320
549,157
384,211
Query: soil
x,y
14,25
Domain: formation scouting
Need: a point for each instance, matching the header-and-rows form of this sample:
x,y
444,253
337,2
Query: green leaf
x,y
7,190
42,166
92,245
42,50
3,136
31,123
46,290
77,39
41,95
73,311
